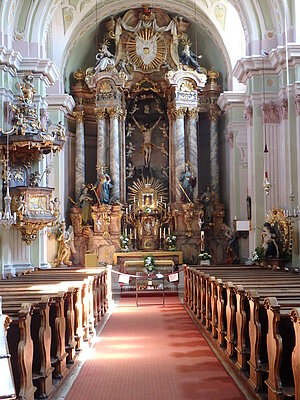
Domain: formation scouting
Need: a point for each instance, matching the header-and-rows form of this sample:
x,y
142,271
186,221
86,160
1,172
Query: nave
x,y
151,352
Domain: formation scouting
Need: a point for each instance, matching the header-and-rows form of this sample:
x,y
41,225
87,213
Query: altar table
x,y
120,257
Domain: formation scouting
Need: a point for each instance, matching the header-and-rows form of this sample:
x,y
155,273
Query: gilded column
x,y
79,153
114,151
192,144
179,148
214,161
101,137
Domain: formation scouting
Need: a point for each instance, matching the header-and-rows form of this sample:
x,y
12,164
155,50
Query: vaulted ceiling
x,y
230,28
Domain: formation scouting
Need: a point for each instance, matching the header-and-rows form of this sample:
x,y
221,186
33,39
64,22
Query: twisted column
x,y
179,147
79,153
114,151
192,144
101,137
214,161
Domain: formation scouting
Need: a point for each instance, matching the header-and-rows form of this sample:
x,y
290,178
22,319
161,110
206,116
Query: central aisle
x,y
152,352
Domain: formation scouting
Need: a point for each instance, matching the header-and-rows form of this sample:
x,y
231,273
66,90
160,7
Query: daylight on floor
x,y
150,199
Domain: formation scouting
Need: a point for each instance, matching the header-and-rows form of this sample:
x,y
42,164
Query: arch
x,y
88,22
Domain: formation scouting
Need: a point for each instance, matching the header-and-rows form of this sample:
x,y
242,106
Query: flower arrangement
x,y
171,242
257,255
124,243
204,257
149,264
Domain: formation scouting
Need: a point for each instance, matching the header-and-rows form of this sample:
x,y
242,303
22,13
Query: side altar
x,y
144,98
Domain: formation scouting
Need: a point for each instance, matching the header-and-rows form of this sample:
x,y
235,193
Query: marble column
x,y
192,144
79,153
122,134
114,151
214,161
101,137
179,148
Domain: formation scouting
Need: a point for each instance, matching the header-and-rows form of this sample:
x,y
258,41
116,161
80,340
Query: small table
x,y
150,279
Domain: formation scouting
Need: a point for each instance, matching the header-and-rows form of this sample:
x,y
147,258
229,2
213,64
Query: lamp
x,y
7,218
266,182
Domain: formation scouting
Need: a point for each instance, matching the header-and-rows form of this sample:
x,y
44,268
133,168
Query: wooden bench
x,y
220,299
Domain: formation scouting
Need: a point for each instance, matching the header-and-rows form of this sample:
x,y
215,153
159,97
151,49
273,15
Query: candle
x,y
169,209
160,233
169,231
126,210
202,241
161,199
135,233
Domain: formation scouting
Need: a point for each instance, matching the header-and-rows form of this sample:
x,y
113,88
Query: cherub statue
x,y
164,130
65,239
130,170
130,129
54,206
163,149
130,149
165,170
60,131
21,210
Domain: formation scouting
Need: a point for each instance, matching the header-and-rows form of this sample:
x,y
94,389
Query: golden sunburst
x,y
146,35
148,185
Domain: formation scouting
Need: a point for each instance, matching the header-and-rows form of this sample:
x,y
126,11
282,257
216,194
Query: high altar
x,y
144,97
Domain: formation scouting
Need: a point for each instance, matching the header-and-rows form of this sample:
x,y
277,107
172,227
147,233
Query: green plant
x,y
204,256
124,243
257,255
149,263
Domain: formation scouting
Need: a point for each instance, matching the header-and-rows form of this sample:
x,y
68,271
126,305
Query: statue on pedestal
x,y
269,241
187,183
207,200
104,186
85,202
104,58
189,58
65,239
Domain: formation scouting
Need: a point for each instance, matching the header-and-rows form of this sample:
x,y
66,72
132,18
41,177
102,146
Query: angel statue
x,y
189,58
104,58
65,239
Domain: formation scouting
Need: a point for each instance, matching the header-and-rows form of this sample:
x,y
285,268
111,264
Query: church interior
x,y
150,199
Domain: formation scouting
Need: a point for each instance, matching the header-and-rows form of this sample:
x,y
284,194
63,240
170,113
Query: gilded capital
x,y
115,112
100,113
193,113
213,115
79,116
179,112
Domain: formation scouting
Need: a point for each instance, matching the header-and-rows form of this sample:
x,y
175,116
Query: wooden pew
x,y
238,318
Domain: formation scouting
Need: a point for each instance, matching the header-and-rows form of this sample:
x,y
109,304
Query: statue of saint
x,y
104,58
188,182
189,58
104,186
269,241
85,202
207,201
147,133
66,247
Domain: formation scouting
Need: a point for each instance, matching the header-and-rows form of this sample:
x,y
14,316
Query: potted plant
x,y
171,242
149,264
124,243
204,258
257,255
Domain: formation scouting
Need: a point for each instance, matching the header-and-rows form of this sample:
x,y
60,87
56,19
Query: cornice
x,y
45,67
63,101
228,99
275,62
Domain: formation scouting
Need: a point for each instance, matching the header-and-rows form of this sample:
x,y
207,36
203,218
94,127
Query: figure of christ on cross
x,y
147,133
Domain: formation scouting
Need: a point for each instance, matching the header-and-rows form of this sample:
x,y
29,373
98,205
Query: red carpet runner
x,y
151,352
